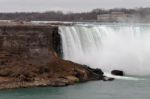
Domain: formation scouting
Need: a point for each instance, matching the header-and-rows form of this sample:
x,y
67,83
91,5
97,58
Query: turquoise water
x,y
118,89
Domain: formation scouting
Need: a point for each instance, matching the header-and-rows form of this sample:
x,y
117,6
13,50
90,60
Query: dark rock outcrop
x,y
117,72
57,42
97,71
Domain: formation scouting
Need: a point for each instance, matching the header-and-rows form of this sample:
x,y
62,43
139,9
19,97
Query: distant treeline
x,y
60,16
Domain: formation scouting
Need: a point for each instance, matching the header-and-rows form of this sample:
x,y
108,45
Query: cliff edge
x,y
29,56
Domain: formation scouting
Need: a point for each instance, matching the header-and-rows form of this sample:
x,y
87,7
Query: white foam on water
x,y
122,77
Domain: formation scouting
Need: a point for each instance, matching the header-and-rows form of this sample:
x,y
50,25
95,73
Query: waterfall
x,y
123,47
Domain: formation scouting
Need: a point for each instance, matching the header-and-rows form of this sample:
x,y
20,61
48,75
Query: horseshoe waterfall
x,y
123,47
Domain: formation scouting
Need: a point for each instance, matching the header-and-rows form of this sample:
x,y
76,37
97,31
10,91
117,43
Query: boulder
x,y
117,72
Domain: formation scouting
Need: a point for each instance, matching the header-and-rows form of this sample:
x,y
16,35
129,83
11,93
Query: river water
x,y
118,89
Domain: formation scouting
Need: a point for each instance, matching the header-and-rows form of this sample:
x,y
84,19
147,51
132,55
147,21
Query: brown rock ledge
x,y
56,72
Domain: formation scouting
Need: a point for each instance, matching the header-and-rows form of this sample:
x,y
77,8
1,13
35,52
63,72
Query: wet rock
x,y
98,71
107,78
117,72
57,42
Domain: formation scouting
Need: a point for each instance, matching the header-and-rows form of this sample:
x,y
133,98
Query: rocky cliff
x,y
30,56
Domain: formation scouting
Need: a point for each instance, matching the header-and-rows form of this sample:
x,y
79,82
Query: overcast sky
x,y
68,5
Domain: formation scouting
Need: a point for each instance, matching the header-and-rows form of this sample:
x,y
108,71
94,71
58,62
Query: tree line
x,y
60,16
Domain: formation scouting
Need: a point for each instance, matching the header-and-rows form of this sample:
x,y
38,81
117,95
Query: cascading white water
x,y
123,47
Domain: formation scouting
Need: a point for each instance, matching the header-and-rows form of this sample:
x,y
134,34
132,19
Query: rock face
x,y
31,42
117,72
56,72
29,56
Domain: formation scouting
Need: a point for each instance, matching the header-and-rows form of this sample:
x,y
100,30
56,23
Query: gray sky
x,y
68,5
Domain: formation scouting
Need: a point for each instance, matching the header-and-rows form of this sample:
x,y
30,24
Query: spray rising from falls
x,y
108,47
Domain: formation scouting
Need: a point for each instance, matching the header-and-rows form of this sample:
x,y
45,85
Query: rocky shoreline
x,y
56,73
